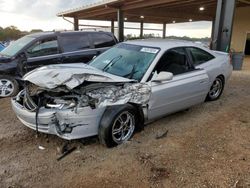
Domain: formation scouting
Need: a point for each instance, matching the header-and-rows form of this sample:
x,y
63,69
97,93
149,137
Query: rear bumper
x,y
67,124
229,72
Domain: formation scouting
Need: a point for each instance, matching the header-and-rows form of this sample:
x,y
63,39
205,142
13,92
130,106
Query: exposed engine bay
x,y
55,86
95,95
70,104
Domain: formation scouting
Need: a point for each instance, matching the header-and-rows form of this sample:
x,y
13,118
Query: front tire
x,y
216,89
117,125
8,86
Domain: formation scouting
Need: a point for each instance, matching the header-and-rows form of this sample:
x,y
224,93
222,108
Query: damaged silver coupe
x,y
120,90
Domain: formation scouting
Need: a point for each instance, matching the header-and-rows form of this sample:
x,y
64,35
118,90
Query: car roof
x,y
41,34
164,44
54,33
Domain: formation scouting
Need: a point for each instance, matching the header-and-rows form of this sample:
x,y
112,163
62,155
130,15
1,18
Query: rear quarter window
x,y
72,43
102,40
199,56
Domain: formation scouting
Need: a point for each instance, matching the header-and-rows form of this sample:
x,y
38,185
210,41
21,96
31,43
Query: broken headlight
x,y
61,104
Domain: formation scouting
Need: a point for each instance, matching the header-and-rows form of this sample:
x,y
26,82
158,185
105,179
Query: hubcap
x,y
6,88
216,89
123,127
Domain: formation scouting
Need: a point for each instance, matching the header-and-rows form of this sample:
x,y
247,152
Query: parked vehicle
x,y
36,50
1,46
129,85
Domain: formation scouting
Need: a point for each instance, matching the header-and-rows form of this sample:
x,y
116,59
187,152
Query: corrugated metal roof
x,y
85,7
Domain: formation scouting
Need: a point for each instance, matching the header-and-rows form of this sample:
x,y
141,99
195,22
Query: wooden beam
x,y
244,1
187,3
170,14
145,3
153,10
95,13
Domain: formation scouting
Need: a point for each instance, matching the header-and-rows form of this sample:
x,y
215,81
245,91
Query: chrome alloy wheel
x,y
6,87
216,89
123,127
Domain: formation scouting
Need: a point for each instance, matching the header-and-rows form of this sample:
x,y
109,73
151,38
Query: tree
x,y
9,33
36,31
1,33
13,33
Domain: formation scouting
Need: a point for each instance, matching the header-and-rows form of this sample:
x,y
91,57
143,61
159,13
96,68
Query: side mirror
x,y
163,76
23,55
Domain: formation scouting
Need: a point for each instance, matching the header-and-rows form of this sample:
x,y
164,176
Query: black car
x,y
35,50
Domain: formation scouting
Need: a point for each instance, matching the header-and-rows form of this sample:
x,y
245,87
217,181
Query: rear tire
x,y
117,125
216,89
9,87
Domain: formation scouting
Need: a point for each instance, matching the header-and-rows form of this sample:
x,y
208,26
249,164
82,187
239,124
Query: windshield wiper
x,y
112,62
131,74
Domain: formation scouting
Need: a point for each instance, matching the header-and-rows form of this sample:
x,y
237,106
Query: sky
x,y
41,14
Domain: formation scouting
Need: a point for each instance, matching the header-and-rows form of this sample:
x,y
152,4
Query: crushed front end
x,y
73,113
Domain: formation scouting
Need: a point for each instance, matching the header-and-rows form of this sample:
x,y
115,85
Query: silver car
x,y
122,89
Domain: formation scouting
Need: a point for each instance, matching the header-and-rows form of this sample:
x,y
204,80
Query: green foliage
x,y
206,39
36,31
152,35
13,33
9,33
145,36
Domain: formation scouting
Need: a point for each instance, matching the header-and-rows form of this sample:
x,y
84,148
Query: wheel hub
x,y
6,88
216,88
123,127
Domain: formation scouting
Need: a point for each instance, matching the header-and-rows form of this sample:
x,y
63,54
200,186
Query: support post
x,y
141,29
164,31
213,27
113,26
76,24
120,19
223,25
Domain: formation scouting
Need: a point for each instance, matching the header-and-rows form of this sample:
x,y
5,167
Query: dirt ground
x,y
207,146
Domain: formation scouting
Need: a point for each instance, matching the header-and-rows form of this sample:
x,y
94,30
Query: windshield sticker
x,y
150,50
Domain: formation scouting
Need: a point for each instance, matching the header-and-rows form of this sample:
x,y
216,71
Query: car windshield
x,y
1,46
16,46
126,60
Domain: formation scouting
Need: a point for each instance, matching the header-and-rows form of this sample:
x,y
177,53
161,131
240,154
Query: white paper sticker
x,y
150,50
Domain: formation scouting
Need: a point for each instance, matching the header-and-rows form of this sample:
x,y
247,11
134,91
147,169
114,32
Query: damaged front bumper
x,y
69,102
65,123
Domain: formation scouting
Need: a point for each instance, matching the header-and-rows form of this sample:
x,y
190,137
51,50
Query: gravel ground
x,y
206,146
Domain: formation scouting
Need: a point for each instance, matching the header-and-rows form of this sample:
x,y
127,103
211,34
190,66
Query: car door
x,y
42,52
188,87
76,47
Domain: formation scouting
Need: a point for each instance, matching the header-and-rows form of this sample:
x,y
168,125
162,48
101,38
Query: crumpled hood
x,y
69,75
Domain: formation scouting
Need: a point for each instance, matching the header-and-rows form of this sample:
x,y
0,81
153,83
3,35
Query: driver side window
x,y
174,61
43,48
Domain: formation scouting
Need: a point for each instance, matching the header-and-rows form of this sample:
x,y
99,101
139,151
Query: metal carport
x,y
221,12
